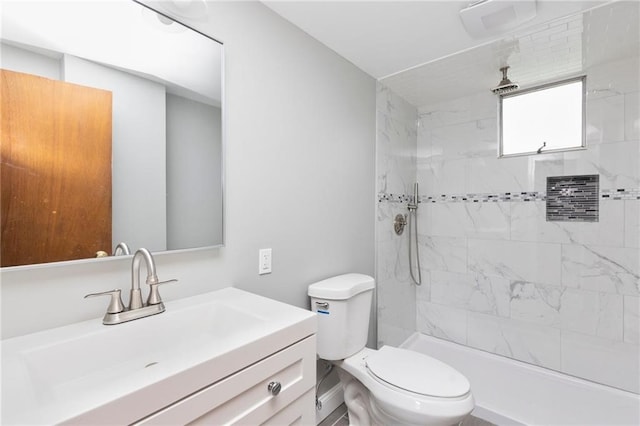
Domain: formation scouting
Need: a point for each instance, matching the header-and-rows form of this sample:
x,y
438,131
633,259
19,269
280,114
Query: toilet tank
x,y
343,304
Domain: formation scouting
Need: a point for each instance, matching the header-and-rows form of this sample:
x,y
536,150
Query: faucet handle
x,y
154,296
115,304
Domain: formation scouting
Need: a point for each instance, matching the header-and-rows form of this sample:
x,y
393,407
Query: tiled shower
x,y
497,276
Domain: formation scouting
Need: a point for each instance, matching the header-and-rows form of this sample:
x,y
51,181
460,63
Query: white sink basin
x,y
76,372
113,353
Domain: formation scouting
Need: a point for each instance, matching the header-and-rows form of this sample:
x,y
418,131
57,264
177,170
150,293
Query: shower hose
x,y
413,223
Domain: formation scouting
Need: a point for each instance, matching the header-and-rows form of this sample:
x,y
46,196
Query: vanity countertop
x,y
121,373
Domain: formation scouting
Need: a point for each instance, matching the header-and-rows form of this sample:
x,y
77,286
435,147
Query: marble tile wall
x,y
396,173
496,275
501,278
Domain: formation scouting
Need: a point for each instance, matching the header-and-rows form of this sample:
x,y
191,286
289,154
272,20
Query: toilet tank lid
x,y
341,287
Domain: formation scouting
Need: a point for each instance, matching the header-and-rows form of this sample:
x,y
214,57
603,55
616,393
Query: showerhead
x,y
506,85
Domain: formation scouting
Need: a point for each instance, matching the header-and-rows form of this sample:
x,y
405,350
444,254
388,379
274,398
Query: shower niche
x,y
572,198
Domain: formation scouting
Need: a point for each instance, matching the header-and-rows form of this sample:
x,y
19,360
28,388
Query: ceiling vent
x,y
490,17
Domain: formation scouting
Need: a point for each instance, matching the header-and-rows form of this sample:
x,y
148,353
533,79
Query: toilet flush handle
x,y
323,305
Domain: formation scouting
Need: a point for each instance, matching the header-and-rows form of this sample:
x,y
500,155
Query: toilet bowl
x,y
405,387
389,386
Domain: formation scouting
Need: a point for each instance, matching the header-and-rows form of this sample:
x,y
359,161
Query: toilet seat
x,y
416,373
399,404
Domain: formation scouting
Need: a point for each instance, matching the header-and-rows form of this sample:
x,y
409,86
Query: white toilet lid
x,y
417,373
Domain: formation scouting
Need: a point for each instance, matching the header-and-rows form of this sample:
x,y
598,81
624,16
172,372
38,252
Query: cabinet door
x,y
244,397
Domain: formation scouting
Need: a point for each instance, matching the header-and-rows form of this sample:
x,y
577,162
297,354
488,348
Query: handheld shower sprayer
x,y
409,219
413,220
413,202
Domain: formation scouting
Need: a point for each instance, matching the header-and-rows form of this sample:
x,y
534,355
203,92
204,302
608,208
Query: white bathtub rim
x,y
556,375
500,414
494,417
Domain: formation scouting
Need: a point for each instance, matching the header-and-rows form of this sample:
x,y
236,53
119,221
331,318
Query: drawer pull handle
x,y
274,388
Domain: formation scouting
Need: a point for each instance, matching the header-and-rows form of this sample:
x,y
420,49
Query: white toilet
x,y
389,386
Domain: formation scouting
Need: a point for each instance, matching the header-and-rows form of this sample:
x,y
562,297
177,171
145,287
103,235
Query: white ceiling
x,y
563,48
421,51
386,37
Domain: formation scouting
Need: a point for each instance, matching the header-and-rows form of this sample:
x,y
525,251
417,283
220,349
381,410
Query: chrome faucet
x,y
135,299
116,312
121,249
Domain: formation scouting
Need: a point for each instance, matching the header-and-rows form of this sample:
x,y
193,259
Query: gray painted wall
x,y
300,129
20,60
194,157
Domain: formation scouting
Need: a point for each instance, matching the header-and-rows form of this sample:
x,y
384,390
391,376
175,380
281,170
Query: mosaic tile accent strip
x,y
620,194
482,198
573,198
604,195
394,198
464,198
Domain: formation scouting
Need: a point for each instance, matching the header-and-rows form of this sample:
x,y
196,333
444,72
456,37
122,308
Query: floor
x,y
475,421
340,417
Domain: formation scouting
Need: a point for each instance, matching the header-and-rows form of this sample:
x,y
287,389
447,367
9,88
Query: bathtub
x,y
510,392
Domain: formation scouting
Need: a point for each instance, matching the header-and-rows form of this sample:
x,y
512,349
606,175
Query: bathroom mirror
x,y
160,141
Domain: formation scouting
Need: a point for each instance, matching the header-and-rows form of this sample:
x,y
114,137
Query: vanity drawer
x,y
300,412
245,398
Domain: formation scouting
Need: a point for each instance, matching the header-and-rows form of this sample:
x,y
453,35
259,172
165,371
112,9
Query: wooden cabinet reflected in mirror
x,y
153,177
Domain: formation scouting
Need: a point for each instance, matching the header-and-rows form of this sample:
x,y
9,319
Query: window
x,y
543,119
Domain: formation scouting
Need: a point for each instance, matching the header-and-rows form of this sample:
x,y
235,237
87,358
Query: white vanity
x,y
223,357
